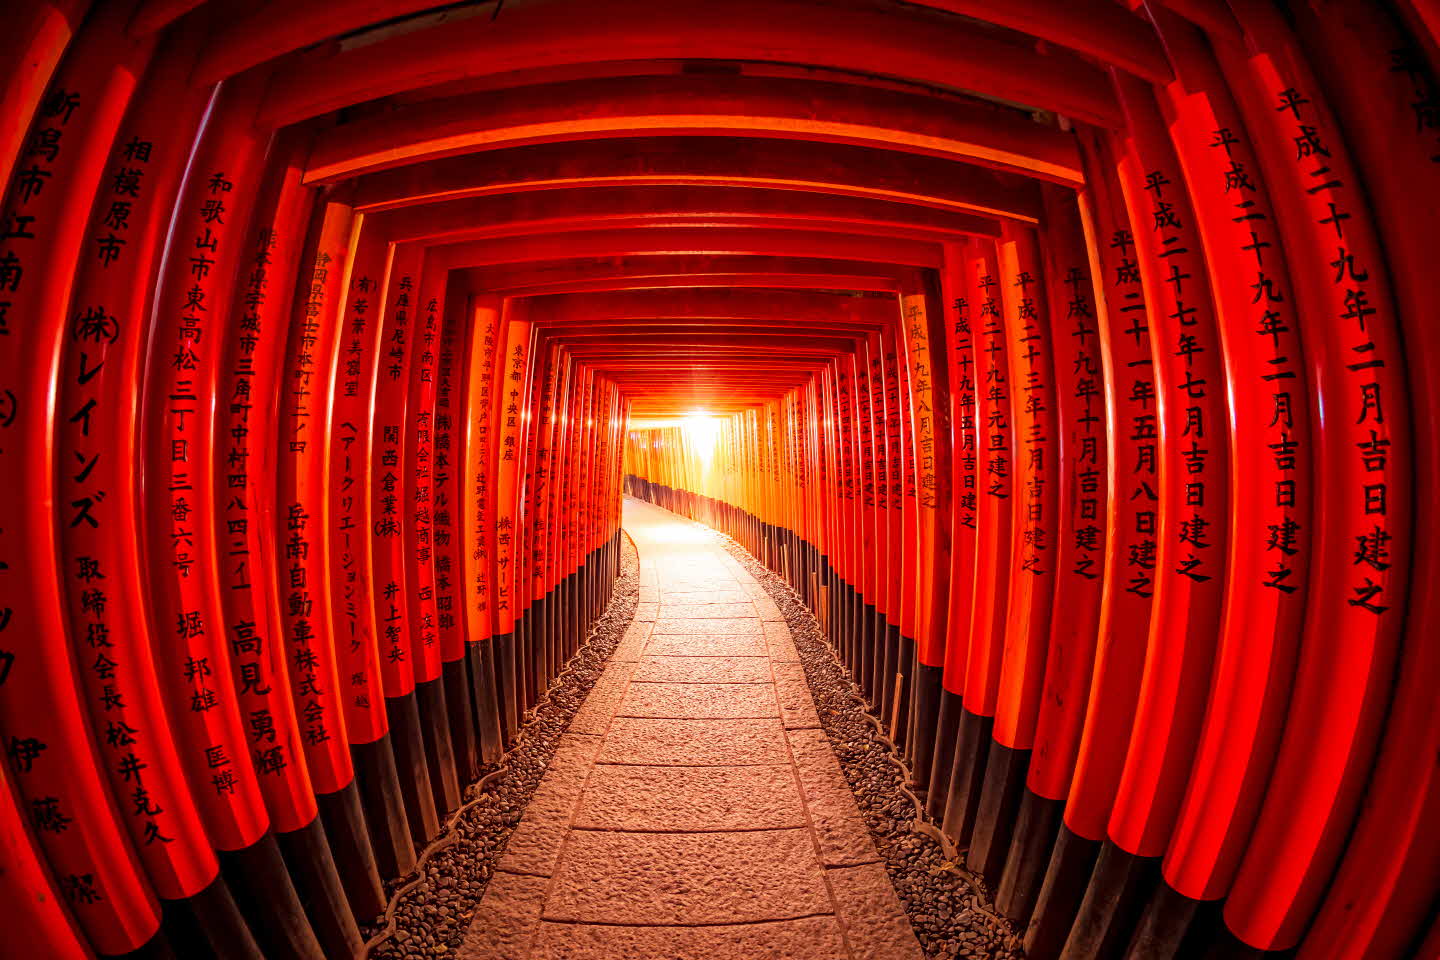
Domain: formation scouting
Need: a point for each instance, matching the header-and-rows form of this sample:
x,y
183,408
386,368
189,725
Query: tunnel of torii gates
x,y
1075,361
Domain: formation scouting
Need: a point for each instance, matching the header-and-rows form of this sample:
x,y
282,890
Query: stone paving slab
x,y
874,922
505,919
687,878
748,626
779,642
751,646
693,809
674,571
703,670
594,714
678,799
574,757
700,701
697,585
811,938
792,692
694,743
704,611
708,596
769,611
535,844
839,830
632,644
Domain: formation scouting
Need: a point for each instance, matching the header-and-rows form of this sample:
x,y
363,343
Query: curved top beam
x,y
899,42
778,107
668,271
1099,28
792,306
817,168
474,218
680,240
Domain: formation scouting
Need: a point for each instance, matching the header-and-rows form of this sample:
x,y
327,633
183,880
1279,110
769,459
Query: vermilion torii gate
x,y
1071,359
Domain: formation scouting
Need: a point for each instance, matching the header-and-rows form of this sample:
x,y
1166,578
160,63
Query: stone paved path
x,y
694,809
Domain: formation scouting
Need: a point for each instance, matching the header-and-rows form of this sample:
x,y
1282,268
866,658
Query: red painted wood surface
x,y
1132,511
350,260
395,632
1361,545
52,751
315,645
1083,485
320,380
111,629
993,538
1194,444
1030,348
961,338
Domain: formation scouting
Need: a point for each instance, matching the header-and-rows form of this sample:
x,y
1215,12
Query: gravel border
x,y
950,908
431,908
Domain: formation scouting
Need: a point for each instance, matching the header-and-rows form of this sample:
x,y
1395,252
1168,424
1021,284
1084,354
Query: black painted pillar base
x,y
485,700
864,646
1005,772
854,632
897,679
829,585
434,713
879,628
942,759
157,947
535,637
378,780
871,624
824,581
208,924
556,630
558,613
461,714
1170,927
1225,945
409,744
267,898
542,615
1119,887
1029,857
344,820
906,691
923,709
567,623
1067,875
308,857
507,685
524,662
972,749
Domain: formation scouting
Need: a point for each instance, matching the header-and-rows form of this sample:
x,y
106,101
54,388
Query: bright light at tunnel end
x,y
703,432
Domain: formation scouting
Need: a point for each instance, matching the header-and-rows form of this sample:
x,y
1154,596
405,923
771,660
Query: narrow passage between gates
x,y
694,808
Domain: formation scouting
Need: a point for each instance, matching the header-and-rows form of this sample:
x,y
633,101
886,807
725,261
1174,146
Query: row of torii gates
x,y
1073,359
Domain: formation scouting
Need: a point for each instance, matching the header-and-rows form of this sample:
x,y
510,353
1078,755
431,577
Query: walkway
x,y
694,809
